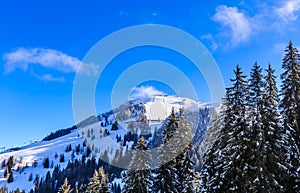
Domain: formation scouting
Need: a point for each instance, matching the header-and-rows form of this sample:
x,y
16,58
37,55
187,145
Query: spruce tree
x,y
170,126
98,183
211,142
290,89
183,137
271,146
291,161
290,110
226,168
94,183
255,93
138,176
3,189
254,108
166,179
10,177
65,188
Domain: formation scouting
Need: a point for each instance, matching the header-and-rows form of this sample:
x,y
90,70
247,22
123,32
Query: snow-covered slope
x,y
36,152
153,110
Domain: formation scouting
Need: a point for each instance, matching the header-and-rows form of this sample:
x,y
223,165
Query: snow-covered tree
x,y
99,183
65,188
183,137
138,176
166,175
254,97
290,89
226,163
3,189
290,110
254,110
269,178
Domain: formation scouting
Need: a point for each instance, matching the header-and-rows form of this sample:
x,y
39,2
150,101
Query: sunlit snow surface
x,y
158,108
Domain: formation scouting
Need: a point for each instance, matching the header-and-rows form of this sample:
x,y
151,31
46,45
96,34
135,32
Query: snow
x,y
37,151
158,108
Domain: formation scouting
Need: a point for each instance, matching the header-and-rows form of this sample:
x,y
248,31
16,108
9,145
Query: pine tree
x,y
46,162
290,89
170,127
254,97
255,104
99,182
184,165
10,177
226,164
271,146
188,172
290,110
3,189
211,143
138,177
166,180
290,178
94,183
65,188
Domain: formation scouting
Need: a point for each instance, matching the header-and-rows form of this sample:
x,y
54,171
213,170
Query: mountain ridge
x,y
152,111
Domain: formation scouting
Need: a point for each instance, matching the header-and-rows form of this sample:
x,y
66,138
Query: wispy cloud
x,y
288,10
22,58
237,24
49,78
213,44
144,92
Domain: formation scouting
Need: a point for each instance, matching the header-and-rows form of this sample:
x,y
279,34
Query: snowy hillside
x,y
108,136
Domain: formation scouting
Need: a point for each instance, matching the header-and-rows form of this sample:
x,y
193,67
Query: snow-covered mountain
x,y
107,133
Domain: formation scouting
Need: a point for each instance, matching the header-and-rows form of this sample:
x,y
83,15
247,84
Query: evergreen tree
x,y
98,183
46,162
166,179
189,173
30,178
138,177
254,97
290,89
290,110
255,105
271,147
3,189
10,177
65,188
226,164
211,142
170,127
184,165
290,178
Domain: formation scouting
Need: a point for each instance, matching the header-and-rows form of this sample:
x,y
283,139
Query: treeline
x,y
59,133
256,148
176,168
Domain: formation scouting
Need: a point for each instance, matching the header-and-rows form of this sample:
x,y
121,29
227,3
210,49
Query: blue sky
x,y
43,42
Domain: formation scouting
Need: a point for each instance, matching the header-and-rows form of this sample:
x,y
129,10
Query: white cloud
x,y
288,10
144,92
213,44
237,24
48,58
50,78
